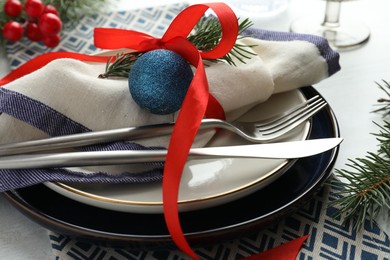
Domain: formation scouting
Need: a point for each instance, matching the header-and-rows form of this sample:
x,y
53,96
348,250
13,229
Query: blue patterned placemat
x,y
154,21
329,239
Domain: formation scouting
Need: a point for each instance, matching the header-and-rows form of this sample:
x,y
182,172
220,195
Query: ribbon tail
x,y
286,251
44,59
197,103
186,127
115,38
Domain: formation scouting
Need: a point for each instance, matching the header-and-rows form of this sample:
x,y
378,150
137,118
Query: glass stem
x,y
332,13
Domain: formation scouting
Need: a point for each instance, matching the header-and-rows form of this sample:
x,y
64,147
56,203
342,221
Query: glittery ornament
x,y
159,80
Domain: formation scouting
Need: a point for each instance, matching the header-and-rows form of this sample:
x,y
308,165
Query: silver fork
x,y
256,132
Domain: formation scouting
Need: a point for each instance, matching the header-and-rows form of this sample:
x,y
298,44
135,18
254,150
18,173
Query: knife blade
x,y
283,150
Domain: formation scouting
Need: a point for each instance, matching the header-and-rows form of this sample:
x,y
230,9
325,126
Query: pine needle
x,y
365,190
207,34
384,103
121,65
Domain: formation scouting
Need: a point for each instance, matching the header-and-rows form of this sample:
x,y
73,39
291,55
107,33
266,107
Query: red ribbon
x,y
197,104
42,60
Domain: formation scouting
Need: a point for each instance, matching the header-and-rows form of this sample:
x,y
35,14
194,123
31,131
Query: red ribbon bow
x,y
197,104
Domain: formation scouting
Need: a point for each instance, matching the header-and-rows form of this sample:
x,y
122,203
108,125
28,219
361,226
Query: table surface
x,y
352,93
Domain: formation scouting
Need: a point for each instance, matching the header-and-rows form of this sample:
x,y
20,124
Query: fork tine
x,y
272,121
294,120
289,115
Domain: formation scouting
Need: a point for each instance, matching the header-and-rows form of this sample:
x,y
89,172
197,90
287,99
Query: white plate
x,y
205,183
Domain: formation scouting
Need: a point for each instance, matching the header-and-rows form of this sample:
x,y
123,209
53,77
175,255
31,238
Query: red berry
x,y
33,33
13,8
51,40
51,9
49,23
13,31
34,8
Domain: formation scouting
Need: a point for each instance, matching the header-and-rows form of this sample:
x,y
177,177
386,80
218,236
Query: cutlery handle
x,y
83,139
89,138
286,150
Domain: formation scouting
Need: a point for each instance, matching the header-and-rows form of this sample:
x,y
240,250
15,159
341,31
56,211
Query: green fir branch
x,y
367,191
121,65
365,184
384,103
206,36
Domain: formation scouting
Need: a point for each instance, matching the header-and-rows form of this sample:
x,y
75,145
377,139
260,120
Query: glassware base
x,y
349,34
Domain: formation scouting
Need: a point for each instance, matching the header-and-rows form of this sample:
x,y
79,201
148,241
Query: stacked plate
x,y
218,200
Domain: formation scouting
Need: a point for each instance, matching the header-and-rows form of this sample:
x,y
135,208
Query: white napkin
x,y
72,87
67,96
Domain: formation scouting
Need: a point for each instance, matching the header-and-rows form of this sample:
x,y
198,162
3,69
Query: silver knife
x,y
283,150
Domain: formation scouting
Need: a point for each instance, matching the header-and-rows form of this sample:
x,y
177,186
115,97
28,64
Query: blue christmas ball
x,y
159,80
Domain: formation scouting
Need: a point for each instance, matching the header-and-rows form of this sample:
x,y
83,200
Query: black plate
x,y
148,231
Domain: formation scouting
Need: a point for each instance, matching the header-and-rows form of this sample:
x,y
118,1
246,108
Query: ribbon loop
x,y
188,18
181,26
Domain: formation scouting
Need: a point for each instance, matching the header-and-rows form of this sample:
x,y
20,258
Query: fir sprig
x,y
121,65
384,103
368,189
205,36
365,186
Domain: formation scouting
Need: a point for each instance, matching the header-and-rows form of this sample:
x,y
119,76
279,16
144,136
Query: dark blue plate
x,y
231,220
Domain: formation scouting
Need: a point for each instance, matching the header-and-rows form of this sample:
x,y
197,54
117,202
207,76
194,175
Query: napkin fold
x,y
66,97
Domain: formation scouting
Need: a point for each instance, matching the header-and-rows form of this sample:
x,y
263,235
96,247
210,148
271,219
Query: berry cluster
x,y
38,22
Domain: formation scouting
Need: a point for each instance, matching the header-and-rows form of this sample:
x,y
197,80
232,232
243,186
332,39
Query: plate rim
x,y
162,240
134,206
